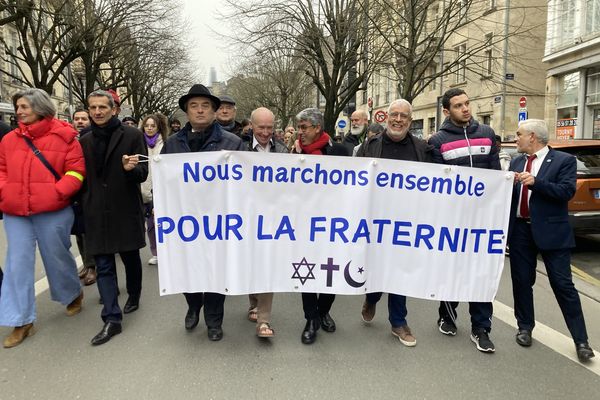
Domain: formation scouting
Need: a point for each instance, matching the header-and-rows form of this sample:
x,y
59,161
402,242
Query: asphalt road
x,y
155,358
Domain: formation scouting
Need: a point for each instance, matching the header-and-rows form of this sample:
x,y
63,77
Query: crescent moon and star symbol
x,y
349,278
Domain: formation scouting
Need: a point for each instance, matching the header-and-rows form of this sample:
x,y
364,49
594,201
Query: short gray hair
x,y
538,127
40,101
313,115
402,102
103,93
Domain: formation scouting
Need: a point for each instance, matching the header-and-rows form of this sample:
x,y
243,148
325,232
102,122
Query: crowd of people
x,y
92,179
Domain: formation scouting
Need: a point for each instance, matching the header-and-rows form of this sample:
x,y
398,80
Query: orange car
x,y
584,207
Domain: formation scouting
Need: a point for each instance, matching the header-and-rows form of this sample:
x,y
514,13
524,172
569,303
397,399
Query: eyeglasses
x,y
304,127
395,115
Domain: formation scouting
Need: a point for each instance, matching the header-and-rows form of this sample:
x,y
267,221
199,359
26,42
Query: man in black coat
x,y
203,133
112,207
396,143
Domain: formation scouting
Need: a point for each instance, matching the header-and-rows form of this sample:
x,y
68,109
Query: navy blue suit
x,y
548,233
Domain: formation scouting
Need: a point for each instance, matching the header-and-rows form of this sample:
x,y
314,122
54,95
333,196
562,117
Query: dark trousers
x,y
316,305
523,253
396,307
214,306
106,270
481,313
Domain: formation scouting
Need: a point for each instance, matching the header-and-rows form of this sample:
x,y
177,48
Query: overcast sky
x,y
207,50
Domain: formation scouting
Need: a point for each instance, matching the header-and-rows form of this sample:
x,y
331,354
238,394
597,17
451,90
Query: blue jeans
x,y
396,307
52,233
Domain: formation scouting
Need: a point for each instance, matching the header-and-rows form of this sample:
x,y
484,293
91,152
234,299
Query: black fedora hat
x,y
198,91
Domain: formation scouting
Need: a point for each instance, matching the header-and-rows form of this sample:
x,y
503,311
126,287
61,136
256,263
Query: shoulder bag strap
x,y
39,155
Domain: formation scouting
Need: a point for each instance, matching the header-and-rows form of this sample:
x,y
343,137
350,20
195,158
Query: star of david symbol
x,y
309,274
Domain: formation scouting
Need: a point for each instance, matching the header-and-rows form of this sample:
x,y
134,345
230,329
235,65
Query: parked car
x,y
584,207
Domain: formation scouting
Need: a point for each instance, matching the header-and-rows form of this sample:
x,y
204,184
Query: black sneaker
x,y
447,327
482,340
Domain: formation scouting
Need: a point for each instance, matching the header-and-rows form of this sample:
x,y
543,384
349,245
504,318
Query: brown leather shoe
x,y
83,272
75,306
18,335
368,311
90,276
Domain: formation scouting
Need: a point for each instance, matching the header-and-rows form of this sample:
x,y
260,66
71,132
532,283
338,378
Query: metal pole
x,y
503,108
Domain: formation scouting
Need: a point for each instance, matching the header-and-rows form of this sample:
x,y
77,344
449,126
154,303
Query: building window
x,y
563,26
488,55
492,4
593,88
431,72
568,90
462,11
461,63
592,17
431,126
487,119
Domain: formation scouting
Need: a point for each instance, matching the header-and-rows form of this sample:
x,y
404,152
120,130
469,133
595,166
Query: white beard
x,y
357,131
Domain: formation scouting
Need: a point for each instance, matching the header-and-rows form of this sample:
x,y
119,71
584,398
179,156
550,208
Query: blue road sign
x,y
522,115
341,124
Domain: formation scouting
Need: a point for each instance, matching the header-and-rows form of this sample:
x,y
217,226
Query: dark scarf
x,y
316,147
151,140
197,140
101,139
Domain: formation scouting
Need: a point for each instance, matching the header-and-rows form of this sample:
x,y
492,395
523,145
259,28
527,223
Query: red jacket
x,y
26,186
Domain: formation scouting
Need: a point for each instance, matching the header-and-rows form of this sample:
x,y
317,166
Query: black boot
x,y
309,334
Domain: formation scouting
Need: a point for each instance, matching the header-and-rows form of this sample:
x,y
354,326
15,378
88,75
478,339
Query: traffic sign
x,y
523,102
341,124
370,102
522,116
380,116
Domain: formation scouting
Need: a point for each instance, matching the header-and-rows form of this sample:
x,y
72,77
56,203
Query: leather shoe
x,y
75,306
309,334
192,318
18,334
215,334
584,351
327,323
523,337
109,330
132,304
90,276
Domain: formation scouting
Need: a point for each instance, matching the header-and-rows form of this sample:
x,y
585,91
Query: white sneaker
x,y
153,260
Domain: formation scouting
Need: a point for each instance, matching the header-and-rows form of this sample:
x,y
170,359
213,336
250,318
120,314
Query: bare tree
x,y
419,38
272,79
327,37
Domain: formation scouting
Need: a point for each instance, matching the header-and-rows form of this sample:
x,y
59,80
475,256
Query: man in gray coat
x,y
112,207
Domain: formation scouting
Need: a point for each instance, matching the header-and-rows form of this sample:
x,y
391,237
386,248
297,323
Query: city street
x,y
155,358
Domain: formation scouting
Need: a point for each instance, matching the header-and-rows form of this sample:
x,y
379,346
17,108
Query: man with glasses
x,y
539,223
313,140
226,116
462,141
396,143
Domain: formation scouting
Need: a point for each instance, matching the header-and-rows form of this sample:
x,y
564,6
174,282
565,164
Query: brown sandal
x,y
253,314
264,330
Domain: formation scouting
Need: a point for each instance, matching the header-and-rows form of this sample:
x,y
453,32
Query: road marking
x,y
42,284
584,276
547,336
555,340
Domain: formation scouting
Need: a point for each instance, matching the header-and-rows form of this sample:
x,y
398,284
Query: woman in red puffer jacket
x,y
35,200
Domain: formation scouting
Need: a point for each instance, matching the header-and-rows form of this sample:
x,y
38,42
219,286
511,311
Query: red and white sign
x,y
370,102
380,116
523,102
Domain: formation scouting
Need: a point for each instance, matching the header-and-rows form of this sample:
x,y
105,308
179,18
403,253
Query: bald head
x,y
359,120
263,122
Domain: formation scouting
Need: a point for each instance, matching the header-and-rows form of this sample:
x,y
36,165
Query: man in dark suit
x,y
544,184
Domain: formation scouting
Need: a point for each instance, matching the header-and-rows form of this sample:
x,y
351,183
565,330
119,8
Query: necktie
x,y
524,209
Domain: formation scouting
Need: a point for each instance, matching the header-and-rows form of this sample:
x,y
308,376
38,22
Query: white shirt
x,y
258,147
536,164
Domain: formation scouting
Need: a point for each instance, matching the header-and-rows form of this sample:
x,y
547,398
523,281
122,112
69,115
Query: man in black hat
x,y
226,115
202,133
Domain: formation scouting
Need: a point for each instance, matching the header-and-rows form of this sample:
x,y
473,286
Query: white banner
x,y
245,222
